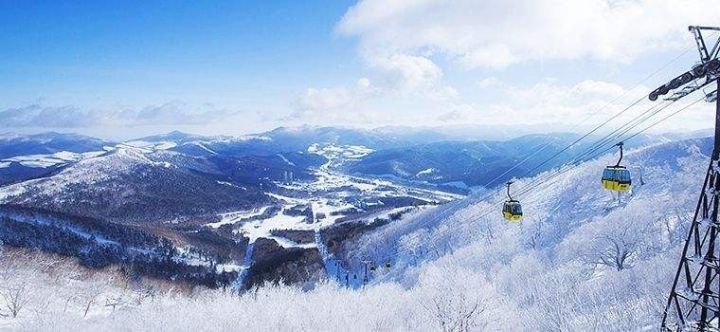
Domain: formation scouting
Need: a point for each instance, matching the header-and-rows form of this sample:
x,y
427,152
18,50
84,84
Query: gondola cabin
x,y
616,178
512,211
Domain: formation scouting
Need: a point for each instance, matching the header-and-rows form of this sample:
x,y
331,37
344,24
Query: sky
x,y
131,68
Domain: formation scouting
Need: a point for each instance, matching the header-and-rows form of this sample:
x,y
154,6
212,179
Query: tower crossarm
x,y
700,75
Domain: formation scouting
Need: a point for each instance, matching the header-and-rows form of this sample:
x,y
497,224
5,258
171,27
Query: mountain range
x,y
304,193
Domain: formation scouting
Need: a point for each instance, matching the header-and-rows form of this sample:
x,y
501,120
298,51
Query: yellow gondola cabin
x,y
617,178
512,209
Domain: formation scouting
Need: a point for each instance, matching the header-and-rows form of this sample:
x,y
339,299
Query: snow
x,y
8,192
427,171
256,229
262,228
544,274
290,163
329,204
245,267
237,216
457,184
333,151
569,224
202,146
287,199
329,195
49,160
185,256
225,183
253,138
149,146
42,220
88,168
165,145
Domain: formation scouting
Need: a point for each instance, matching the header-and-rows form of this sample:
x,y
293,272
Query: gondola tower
x,y
694,300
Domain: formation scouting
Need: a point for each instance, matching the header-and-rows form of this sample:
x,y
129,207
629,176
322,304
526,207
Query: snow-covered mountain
x,y
130,184
212,197
25,157
582,259
478,163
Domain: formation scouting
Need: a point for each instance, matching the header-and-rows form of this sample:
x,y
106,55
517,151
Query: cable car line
x,y
616,134
527,189
595,152
587,118
668,116
600,143
612,138
579,158
547,181
490,194
545,145
588,134
552,178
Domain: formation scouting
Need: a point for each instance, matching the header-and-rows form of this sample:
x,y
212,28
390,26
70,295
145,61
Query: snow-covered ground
x,y
582,258
230,218
49,160
329,197
66,157
460,264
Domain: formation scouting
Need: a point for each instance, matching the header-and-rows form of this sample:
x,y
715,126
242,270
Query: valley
x,y
235,207
302,211
292,205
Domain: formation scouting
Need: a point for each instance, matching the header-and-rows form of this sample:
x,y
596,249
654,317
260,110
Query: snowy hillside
x,y
131,182
231,202
581,260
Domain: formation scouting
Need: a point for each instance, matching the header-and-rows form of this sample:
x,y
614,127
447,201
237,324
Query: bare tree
x,y
115,301
535,233
676,225
16,298
450,301
614,241
454,311
88,299
613,252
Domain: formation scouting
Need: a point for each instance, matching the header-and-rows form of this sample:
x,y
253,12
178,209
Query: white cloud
x,y
69,116
499,33
314,102
324,98
363,83
489,82
399,76
409,73
547,104
408,44
550,92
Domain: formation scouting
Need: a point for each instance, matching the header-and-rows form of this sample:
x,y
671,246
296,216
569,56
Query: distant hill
x,y
475,163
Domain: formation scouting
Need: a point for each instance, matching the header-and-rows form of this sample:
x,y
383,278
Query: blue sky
x,y
143,52
231,67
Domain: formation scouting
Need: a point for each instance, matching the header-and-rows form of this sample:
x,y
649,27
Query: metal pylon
x,y
694,301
